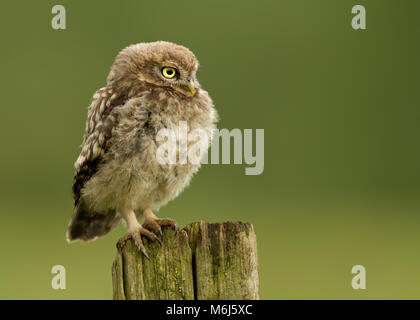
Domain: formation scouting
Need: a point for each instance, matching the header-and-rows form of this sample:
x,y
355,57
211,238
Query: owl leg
x,y
135,231
153,223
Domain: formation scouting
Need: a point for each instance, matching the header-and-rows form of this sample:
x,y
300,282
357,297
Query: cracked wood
x,y
203,261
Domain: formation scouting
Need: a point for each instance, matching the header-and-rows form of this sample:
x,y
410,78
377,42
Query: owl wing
x,y
99,126
85,224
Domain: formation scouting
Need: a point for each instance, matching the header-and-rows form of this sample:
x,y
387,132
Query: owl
x,y
150,87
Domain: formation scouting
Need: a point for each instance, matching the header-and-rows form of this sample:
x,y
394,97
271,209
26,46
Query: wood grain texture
x,y
203,261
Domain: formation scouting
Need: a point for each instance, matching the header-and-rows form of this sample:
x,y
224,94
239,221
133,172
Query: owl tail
x,y
86,225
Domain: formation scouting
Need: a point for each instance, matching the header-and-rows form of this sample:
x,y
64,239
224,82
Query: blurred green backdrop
x,y
340,109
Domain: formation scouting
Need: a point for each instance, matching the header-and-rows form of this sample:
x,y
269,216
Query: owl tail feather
x,y
86,225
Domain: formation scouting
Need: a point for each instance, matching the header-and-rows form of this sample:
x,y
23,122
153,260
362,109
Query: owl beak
x,y
191,86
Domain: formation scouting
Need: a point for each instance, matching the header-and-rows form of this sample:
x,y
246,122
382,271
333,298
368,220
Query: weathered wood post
x,y
203,261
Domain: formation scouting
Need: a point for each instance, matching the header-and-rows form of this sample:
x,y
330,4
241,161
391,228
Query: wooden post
x,y
203,261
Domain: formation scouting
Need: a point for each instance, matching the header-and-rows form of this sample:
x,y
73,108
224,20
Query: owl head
x,y
163,64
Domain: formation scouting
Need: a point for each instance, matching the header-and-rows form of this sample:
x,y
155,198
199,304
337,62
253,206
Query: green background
x,y
340,110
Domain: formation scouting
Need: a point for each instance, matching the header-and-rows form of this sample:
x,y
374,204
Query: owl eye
x,y
169,72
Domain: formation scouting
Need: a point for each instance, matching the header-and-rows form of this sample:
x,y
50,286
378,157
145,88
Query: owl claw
x,y
154,224
145,254
158,239
136,236
122,241
140,246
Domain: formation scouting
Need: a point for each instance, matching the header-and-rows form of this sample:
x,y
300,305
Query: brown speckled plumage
x,y
117,174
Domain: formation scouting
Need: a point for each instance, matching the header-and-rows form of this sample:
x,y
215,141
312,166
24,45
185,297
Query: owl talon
x,y
145,254
122,241
139,243
158,239
168,223
155,224
136,236
154,227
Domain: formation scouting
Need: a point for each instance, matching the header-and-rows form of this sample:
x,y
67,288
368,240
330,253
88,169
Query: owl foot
x,y
136,236
122,241
153,223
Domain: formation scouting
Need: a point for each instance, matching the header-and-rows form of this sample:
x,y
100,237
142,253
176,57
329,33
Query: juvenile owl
x,y
151,86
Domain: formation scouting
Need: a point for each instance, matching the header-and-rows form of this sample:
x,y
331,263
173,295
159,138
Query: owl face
x,y
172,75
161,64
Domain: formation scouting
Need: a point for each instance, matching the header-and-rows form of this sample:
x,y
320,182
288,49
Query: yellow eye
x,y
169,72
